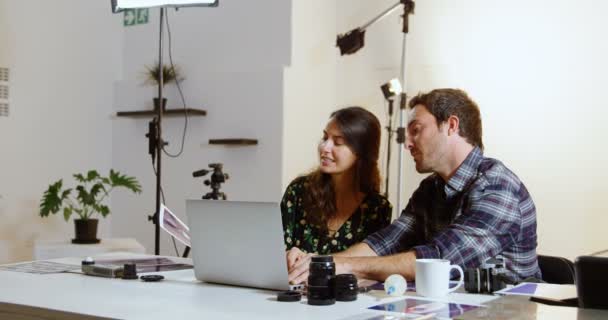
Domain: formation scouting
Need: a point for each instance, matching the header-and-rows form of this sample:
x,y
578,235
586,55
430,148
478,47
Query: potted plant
x,y
171,73
86,201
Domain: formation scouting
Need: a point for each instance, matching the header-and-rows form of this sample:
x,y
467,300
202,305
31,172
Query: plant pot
x,y
156,104
86,231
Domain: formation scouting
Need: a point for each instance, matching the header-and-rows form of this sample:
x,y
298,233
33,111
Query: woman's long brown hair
x,y
361,131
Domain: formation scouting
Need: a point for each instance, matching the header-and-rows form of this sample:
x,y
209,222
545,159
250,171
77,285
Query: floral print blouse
x,y
373,214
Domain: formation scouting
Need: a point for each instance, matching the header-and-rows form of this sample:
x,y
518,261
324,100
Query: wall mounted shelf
x,y
234,142
167,113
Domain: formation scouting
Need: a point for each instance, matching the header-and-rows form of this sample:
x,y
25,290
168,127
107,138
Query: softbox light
x,y
391,89
120,5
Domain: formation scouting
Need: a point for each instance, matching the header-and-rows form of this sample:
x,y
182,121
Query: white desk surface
x,y
53,249
179,296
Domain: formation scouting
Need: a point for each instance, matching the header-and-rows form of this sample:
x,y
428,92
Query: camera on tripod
x,y
215,182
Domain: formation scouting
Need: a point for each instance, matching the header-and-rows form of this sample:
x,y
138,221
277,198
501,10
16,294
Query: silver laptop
x,y
238,243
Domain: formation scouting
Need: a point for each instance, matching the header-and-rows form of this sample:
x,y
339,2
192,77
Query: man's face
x,y
426,142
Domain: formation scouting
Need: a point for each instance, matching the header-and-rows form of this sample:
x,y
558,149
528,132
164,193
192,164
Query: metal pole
x,y
401,135
381,16
159,141
389,129
408,8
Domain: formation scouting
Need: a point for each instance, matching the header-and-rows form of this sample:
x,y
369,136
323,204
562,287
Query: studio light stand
x,y
353,40
390,90
155,140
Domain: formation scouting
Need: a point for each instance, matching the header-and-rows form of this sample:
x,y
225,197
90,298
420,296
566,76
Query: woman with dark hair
x,y
338,204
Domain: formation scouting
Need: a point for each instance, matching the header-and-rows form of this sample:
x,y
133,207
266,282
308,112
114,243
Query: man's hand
x,y
297,265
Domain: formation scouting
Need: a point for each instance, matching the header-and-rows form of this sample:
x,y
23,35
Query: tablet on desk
x,y
173,225
546,293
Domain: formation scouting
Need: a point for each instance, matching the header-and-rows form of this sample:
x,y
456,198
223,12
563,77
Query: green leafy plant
x,y
170,74
89,194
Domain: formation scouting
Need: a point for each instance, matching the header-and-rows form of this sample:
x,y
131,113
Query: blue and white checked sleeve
x,y
489,222
396,237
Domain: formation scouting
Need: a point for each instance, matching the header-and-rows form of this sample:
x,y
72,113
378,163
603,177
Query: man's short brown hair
x,y
443,103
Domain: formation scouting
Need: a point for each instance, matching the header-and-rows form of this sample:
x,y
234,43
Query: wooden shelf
x,y
167,113
234,142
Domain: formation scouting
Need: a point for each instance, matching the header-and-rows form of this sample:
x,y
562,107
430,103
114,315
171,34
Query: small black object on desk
x,y
152,278
129,271
289,296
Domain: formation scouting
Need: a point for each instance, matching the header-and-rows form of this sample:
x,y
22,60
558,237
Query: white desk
x,y
52,249
180,296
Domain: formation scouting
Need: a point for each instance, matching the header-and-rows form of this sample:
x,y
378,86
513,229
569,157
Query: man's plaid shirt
x,y
483,210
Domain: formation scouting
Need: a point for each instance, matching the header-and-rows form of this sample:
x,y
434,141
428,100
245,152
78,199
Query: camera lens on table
x,y
345,287
321,281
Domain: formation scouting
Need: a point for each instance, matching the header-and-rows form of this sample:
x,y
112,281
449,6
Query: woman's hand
x,y
297,265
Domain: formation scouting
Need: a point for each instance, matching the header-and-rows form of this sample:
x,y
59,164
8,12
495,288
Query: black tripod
x,y
217,178
215,182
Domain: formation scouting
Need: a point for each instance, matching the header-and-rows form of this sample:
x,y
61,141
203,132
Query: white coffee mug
x,y
433,277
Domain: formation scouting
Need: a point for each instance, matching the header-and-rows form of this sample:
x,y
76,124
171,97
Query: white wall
x,y
62,61
320,81
360,75
233,58
536,69
310,85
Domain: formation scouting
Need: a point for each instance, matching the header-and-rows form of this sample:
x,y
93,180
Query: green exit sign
x,y
135,16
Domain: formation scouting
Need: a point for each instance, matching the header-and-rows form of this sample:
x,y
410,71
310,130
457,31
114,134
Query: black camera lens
x,y
320,295
321,281
487,278
483,280
323,264
472,280
322,258
345,287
